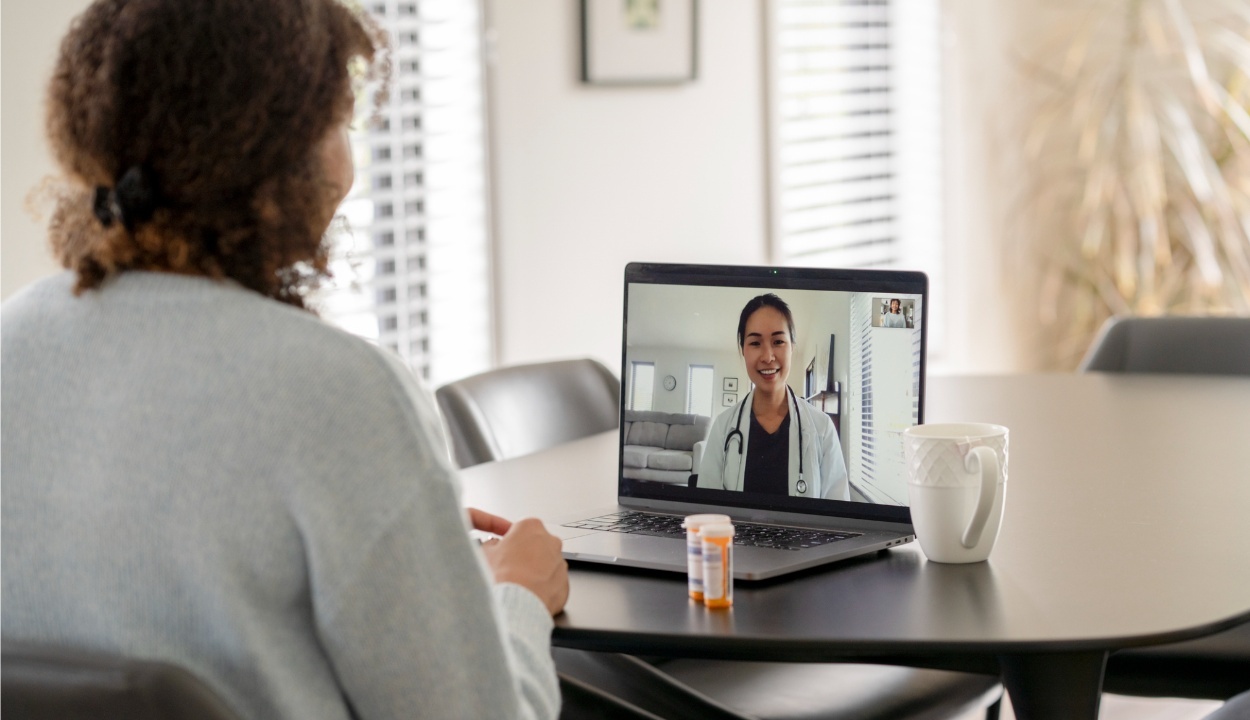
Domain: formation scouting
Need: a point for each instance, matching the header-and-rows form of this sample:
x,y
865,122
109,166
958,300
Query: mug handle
x,y
986,463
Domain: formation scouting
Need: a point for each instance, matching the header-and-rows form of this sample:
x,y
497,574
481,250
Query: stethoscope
x,y
736,433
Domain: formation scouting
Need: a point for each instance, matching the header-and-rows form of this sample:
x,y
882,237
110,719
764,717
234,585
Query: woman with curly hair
x,y
196,468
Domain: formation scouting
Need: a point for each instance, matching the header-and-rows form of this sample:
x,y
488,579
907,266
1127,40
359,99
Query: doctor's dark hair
x,y
189,135
761,301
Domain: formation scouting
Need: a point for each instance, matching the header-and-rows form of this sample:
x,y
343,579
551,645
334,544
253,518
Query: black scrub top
x,y
768,459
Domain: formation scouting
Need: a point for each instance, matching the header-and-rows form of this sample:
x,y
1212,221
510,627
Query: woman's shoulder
x,y
39,294
225,329
819,418
725,416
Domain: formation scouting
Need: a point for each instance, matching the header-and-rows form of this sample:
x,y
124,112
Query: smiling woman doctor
x,y
773,441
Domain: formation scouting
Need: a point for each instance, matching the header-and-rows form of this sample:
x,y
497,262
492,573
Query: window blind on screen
x,y
862,460
413,266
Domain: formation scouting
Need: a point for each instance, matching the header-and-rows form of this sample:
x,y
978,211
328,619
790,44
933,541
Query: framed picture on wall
x,y
729,399
639,42
730,385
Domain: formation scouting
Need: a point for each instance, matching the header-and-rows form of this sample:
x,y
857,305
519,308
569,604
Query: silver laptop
x,y
774,395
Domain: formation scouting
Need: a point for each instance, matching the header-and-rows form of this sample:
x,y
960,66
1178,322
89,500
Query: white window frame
x,y
633,384
711,401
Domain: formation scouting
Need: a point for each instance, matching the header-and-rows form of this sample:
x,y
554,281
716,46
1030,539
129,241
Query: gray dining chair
x,y
744,690
517,410
1213,667
520,409
54,682
1237,708
1191,345
1217,666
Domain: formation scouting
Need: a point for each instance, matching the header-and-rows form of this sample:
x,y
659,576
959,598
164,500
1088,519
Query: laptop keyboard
x,y
777,537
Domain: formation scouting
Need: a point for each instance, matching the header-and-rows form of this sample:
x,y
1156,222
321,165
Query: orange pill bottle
x,y
718,564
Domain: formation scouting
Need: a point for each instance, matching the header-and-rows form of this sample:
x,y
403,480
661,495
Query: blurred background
x,y
1046,163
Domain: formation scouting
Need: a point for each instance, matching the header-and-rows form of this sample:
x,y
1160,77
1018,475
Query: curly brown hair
x,y
213,110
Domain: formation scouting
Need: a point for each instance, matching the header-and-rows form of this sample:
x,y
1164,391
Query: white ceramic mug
x,y
957,481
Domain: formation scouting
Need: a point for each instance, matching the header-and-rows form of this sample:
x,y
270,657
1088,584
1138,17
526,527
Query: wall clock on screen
x,y
670,382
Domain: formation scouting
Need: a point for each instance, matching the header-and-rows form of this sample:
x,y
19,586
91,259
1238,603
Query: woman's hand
x,y
527,555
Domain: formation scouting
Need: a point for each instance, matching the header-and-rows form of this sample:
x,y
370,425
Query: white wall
x,y
589,178
987,328
29,37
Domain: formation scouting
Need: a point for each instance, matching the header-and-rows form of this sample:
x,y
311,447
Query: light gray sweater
x,y
195,473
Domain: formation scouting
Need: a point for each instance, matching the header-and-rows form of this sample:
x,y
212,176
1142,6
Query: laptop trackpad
x,y
608,547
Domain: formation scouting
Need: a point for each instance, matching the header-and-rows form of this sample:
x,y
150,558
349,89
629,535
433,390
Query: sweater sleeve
x,y
410,617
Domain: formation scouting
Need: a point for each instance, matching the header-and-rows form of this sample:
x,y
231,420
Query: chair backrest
x,y
44,682
522,409
1235,708
1194,345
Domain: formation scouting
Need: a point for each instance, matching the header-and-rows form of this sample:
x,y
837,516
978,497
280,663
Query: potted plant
x,y
1139,155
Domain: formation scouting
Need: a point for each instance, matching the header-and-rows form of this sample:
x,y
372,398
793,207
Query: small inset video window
x,y
894,312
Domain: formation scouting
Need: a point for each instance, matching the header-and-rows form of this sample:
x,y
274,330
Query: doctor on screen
x,y
773,441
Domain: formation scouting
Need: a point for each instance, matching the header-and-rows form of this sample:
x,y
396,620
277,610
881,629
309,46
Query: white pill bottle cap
x,y
694,522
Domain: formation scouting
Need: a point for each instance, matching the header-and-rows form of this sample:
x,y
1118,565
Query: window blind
x,y
862,462
412,260
834,186
854,89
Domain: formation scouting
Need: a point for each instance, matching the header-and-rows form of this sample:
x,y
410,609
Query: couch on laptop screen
x,y
663,447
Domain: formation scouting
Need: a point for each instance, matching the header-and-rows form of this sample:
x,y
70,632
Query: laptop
x,y
826,484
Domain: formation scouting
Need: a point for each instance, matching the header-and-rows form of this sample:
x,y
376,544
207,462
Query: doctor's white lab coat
x,y
824,467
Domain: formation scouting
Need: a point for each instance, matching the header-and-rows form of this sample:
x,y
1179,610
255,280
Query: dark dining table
x,y
1125,525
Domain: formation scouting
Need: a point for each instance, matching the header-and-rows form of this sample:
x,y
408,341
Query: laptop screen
x,y
773,388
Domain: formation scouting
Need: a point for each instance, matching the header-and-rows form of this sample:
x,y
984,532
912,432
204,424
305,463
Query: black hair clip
x,y
133,201
105,206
